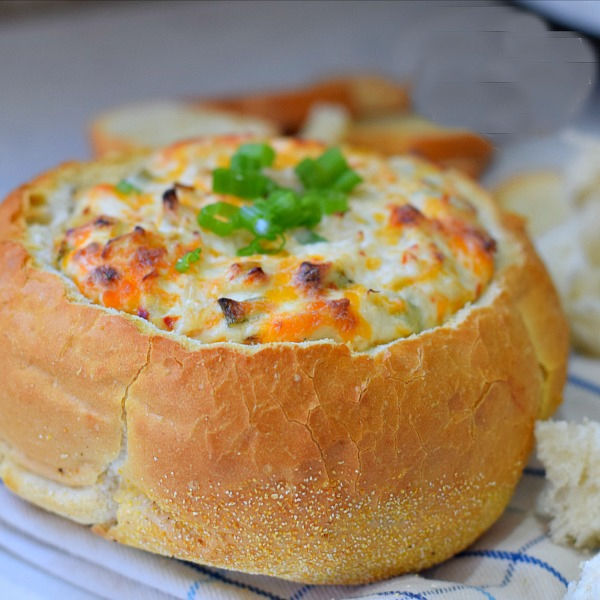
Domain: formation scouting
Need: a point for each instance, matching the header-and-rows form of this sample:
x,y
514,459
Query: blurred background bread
x,y
562,209
150,124
410,133
367,110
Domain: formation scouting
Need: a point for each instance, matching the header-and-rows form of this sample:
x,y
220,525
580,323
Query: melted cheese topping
x,y
408,253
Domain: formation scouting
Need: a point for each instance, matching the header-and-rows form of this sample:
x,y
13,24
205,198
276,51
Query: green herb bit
x,y
256,246
321,172
283,206
347,181
306,236
332,163
124,187
258,219
311,209
334,202
330,170
244,184
183,264
252,157
220,218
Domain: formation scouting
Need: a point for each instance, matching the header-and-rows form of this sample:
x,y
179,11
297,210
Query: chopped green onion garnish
x,y
258,220
334,202
307,173
282,204
256,247
244,184
252,157
183,263
326,179
347,181
311,209
324,171
332,164
220,218
124,187
306,236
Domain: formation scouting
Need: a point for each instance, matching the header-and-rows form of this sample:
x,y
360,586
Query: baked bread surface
x,y
304,460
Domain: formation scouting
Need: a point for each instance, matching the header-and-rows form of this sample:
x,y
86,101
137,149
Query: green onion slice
x,y
322,172
256,246
253,157
244,184
332,164
184,263
306,236
334,202
124,187
220,218
258,219
347,181
311,208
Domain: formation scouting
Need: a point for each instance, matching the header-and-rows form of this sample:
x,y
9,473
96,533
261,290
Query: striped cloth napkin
x,y
515,559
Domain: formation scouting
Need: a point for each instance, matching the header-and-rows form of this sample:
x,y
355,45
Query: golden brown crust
x,y
305,461
362,95
104,142
449,148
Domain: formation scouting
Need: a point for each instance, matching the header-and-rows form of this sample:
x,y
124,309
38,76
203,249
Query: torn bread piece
x,y
571,456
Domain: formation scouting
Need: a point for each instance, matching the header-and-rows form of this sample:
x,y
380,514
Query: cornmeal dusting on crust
x,y
410,251
334,538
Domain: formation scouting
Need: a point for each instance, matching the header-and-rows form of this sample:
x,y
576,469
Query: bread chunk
x,y
571,455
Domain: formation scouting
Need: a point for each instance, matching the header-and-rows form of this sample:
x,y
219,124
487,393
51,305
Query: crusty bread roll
x,y
154,123
323,461
448,147
362,95
151,124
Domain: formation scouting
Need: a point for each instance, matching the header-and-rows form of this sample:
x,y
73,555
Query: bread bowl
x,y
332,450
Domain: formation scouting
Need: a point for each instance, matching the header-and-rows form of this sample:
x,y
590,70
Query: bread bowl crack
x,y
356,436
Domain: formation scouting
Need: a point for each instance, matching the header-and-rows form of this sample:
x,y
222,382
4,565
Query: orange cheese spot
x,y
125,296
435,207
279,294
340,315
372,263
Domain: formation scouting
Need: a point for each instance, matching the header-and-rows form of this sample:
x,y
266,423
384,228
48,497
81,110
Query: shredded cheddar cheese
x,y
407,254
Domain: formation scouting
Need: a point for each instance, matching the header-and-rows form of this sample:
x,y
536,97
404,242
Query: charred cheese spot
x,y
169,199
405,214
143,313
310,277
342,313
234,312
249,272
105,276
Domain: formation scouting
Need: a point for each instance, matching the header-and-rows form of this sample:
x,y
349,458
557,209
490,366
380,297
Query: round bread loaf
x,y
332,451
